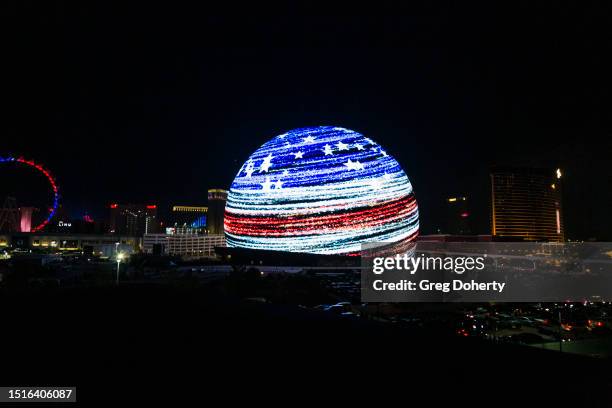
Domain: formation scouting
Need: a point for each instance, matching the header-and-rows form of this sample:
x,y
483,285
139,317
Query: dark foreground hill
x,y
188,347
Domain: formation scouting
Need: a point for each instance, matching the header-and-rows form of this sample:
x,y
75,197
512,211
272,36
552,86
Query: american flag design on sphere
x,y
323,190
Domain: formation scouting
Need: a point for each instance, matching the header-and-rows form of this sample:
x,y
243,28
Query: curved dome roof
x,y
320,190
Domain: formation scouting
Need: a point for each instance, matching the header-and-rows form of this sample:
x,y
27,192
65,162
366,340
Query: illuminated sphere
x,y
323,190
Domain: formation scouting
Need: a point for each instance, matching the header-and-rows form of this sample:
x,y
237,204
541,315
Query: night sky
x,y
157,104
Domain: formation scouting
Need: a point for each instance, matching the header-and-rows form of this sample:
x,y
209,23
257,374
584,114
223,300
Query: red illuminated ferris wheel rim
x,y
50,179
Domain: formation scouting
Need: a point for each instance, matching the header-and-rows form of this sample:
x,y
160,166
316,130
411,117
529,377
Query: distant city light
x,y
558,173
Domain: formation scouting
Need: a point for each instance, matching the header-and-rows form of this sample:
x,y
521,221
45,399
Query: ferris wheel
x,y
51,180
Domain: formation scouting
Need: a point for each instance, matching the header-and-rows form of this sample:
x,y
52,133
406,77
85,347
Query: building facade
x,y
184,216
526,204
184,244
150,240
16,219
133,219
216,209
196,246
99,244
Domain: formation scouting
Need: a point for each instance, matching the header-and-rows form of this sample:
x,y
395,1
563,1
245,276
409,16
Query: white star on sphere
x,y
298,155
342,146
327,150
267,162
278,185
351,165
309,139
250,168
359,146
285,172
267,185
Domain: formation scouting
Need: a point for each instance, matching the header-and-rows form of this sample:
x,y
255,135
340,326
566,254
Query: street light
x,y
120,257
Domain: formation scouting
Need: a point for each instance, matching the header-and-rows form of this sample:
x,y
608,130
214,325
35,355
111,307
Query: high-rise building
x,y
133,219
15,219
216,208
184,216
458,216
526,204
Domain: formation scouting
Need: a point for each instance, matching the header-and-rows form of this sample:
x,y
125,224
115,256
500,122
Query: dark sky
x,y
158,103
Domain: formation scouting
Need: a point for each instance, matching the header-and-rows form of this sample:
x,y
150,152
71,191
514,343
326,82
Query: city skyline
x,y
438,225
524,201
182,113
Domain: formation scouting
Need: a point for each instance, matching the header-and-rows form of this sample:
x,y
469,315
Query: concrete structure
x,y
149,240
216,209
72,242
194,245
190,244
